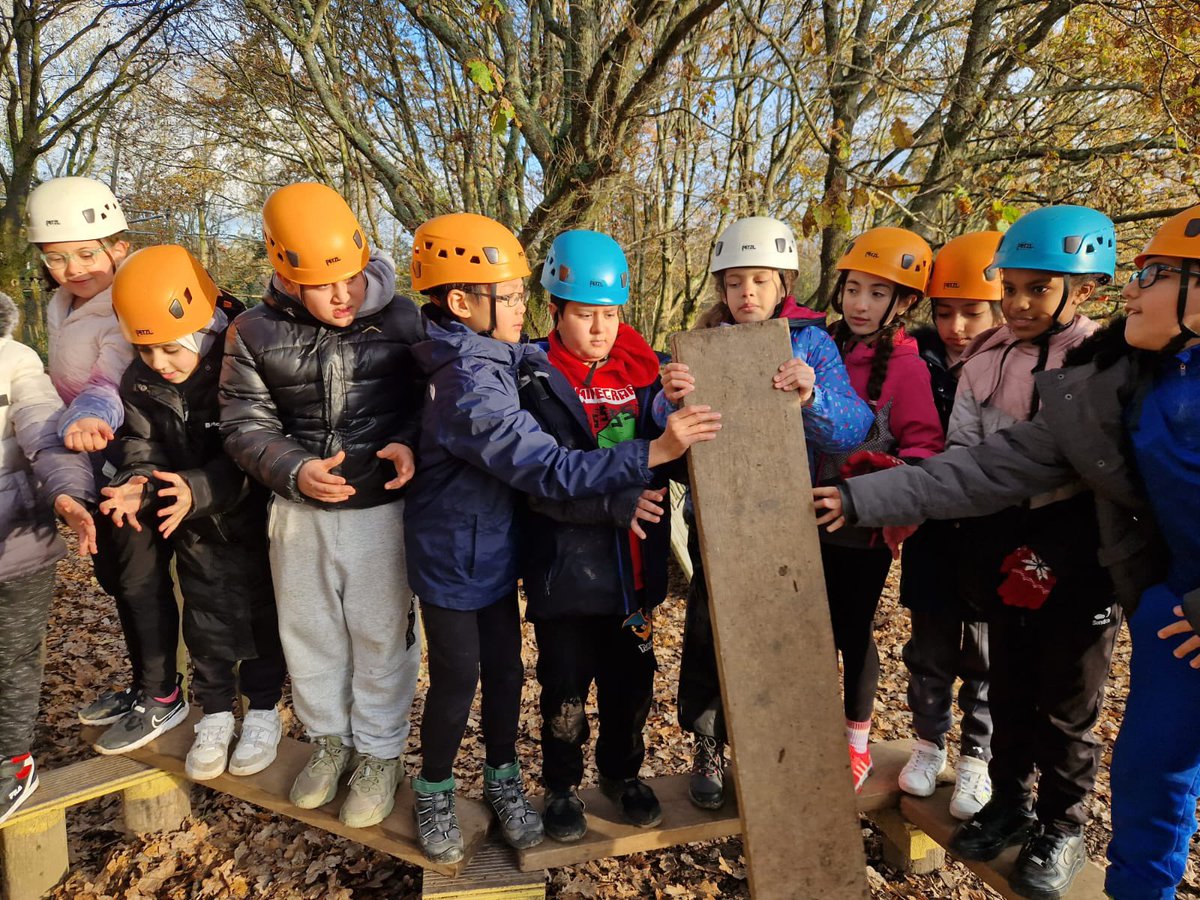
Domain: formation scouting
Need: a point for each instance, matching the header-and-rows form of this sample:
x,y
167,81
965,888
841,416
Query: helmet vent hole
x,y
442,254
1072,243
780,245
429,245
187,295
564,274
416,269
293,258
1090,249
474,260
624,279
720,245
358,239
907,260
89,216
1192,229
492,254
176,309
459,251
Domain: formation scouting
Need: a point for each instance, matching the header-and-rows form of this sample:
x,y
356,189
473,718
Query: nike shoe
x,y
18,779
143,723
108,708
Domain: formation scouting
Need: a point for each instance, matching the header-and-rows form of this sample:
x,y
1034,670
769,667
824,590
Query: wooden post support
x,y
34,854
160,804
905,846
762,562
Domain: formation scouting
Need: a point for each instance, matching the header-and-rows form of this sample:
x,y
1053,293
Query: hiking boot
x,y
372,792
317,782
638,804
920,774
972,787
210,749
108,708
564,819
437,821
706,788
1048,863
520,823
258,743
18,779
860,767
999,824
146,720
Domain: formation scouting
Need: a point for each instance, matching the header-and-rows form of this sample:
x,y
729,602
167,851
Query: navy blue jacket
x,y
478,452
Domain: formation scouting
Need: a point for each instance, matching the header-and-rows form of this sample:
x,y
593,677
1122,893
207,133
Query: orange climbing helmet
x,y
1178,236
465,248
312,235
896,254
161,294
963,268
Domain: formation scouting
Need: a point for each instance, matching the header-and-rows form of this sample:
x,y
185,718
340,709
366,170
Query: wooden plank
x,y
33,855
395,836
83,781
762,562
932,816
493,874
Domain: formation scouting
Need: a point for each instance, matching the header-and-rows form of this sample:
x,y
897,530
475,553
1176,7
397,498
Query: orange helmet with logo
x,y
465,248
896,254
1178,236
963,269
312,235
161,294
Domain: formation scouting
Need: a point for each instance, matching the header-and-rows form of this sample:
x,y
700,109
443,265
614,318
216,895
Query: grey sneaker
x,y
108,708
146,720
257,746
372,792
18,779
520,823
437,821
317,782
706,789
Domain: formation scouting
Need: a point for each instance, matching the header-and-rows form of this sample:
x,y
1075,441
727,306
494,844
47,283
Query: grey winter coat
x,y
35,467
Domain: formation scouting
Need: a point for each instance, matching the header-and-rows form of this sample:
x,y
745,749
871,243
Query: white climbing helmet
x,y
72,209
756,242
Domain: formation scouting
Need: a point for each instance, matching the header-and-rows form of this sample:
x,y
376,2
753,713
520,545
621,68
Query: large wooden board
x,y
762,562
396,835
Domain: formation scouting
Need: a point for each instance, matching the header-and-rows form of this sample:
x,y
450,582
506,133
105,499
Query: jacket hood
x,y
1002,336
380,275
449,340
792,309
8,316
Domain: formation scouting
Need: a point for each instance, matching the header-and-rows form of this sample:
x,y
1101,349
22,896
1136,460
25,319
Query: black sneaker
x,y
142,724
1048,863
563,817
638,804
706,787
108,708
1000,824
18,779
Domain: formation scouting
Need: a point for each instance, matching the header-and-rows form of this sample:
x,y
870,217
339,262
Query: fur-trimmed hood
x,y
8,316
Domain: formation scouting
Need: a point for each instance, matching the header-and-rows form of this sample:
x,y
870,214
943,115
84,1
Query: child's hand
x,y
685,427
88,435
895,535
316,480
79,520
124,501
677,382
1191,645
796,375
401,456
647,510
175,513
830,499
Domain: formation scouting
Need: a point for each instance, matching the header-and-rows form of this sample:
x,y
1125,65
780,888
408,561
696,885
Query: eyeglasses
x,y
1150,274
517,298
88,257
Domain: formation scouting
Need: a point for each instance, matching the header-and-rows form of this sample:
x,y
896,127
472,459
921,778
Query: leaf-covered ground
x,y
233,849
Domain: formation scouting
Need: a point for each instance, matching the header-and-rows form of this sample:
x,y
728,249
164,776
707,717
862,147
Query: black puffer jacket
x,y
294,390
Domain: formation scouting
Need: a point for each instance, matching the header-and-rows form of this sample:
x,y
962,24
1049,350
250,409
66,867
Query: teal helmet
x,y
587,267
1066,240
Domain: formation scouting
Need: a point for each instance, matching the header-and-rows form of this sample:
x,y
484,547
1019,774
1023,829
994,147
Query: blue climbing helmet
x,y
1066,240
587,267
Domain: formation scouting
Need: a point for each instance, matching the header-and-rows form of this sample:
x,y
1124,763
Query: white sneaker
x,y
210,749
972,787
919,775
261,730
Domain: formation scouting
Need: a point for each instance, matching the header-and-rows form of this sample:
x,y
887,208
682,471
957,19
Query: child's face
x,y
960,320
84,268
752,294
1151,311
333,304
474,309
1031,297
588,331
865,301
174,362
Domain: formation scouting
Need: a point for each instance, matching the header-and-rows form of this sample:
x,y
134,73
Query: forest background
x,y
658,122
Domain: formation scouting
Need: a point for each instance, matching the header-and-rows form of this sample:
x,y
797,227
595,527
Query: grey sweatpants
x,y
347,621
24,612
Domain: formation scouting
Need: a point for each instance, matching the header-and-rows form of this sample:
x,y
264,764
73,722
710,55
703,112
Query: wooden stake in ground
x,y
779,678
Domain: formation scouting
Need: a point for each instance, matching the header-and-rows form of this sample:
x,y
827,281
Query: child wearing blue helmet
x,y
591,580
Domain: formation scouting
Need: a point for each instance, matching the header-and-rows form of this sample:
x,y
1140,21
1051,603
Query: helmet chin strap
x,y
1186,334
1042,342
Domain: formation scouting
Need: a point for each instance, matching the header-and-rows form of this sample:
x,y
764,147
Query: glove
x,y
864,462
1030,580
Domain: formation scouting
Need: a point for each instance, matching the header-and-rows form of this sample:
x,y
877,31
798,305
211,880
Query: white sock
x,y
857,734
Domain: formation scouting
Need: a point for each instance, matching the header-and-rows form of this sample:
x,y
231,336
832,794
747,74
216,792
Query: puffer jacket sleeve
x,y
966,419
217,487
914,419
250,424
837,419
1008,467
101,396
36,408
137,450
610,509
481,422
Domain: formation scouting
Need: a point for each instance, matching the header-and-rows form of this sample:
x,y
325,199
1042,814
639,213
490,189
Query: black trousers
x,y
24,610
468,648
699,698
1048,672
572,653
942,649
107,564
854,579
217,682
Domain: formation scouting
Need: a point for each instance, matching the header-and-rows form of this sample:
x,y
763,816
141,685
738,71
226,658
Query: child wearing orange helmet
x,y
320,402
479,450
177,495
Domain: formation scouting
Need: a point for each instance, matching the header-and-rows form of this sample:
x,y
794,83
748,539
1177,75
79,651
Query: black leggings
x,y
854,579
467,648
